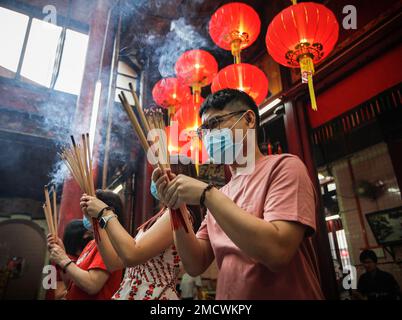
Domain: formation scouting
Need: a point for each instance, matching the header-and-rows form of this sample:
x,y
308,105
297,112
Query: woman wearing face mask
x,y
88,277
151,259
75,239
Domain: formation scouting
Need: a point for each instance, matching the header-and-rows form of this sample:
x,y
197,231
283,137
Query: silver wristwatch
x,y
104,220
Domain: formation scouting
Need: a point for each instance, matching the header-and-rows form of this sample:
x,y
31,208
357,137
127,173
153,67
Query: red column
x,y
99,26
326,265
127,218
297,133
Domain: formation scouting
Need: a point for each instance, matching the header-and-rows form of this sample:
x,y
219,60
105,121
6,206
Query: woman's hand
x,y
58,255
53,240
91,205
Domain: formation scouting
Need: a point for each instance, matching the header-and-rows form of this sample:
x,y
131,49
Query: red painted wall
x,y
367,82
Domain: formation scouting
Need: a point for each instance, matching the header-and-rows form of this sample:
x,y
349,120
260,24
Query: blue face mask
x,y
154,191
87,223
220,146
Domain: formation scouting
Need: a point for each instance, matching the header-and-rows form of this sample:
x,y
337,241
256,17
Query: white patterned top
x,y
153,280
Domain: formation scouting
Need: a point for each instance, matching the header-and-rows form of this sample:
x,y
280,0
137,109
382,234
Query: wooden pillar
x,y
297,133
96,58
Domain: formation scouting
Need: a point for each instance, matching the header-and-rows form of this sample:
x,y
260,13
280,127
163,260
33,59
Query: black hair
x,y
73,238
230,97
112,200
368,254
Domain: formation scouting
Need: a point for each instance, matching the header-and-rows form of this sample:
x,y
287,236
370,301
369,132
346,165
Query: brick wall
x,y
371,164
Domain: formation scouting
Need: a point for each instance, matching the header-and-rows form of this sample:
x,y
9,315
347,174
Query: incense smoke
x,y
181,37
162,50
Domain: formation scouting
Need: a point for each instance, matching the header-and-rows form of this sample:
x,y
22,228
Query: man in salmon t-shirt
x,y
88,277
258,227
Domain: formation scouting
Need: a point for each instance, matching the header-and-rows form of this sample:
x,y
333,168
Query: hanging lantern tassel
x,y
196,94
171,112
195,144
307,72
312,93
236,49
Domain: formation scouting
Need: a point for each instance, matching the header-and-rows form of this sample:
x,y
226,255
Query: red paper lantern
x,y
170,93
172,138
194,149
302,35
196,68
234,26
244,77
184,141
188,116
189,120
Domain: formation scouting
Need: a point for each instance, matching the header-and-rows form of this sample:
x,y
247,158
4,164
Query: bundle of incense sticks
x,y
50,210
155,121
78,159
142,125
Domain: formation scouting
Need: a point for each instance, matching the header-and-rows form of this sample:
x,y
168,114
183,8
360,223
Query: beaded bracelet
x,y
202,198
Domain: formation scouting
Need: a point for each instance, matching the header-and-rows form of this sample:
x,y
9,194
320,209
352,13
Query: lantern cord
x,y
237,58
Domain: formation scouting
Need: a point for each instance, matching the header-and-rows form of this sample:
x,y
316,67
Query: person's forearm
x,y
190,252
66,279
82,279
60,291
109,255
153,242
123,243
255,237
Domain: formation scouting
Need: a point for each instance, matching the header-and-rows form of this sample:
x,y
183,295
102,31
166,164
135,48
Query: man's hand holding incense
x,y
180,190
161,180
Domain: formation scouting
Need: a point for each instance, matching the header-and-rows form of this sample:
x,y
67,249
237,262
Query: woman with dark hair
x,y
75,239
151,259
88,278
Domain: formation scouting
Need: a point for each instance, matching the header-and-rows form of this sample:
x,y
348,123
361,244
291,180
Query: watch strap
x,y
104,220
100,214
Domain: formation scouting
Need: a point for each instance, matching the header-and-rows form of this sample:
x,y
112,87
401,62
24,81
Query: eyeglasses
x,y
215,122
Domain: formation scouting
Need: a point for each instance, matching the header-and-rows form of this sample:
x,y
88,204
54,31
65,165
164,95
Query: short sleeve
x,y
97,262
290,195
202,232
